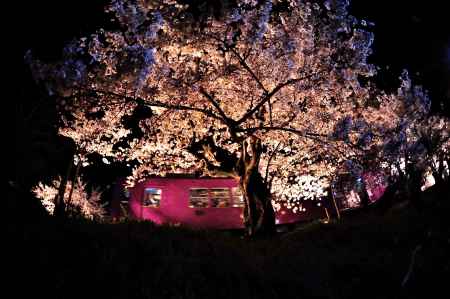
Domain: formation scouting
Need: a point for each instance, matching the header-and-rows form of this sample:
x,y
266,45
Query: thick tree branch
x,y
269,95
230,122
322,138
206,147
258,81
270,160
153,103
290,130
255,144
248,69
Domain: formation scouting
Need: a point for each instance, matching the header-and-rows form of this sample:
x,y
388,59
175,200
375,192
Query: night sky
x,y
407,34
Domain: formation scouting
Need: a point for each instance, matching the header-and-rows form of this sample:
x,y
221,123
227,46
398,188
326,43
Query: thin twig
x,y
411,265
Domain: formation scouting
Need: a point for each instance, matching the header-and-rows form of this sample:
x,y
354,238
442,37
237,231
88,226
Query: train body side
x,y
175,206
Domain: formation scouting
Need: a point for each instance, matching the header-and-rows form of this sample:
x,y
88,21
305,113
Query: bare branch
x,y
269,95
214,102
255,144
153,103
290,130
248,69
270,160
411,265
206,150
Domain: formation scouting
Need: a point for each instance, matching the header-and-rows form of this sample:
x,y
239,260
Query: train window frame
x,y
154,199
237,198
199,198
217,196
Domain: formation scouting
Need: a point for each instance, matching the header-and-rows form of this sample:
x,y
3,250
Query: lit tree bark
x,y
439,177
259,216
365,199
74,181
262,73
60,206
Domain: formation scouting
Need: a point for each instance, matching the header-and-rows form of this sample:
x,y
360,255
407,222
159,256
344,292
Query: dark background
x,y
408,35
360,259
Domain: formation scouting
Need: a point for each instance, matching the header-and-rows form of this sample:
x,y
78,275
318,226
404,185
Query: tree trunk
x,y
60,207
439,177
74,183
365,198
259,216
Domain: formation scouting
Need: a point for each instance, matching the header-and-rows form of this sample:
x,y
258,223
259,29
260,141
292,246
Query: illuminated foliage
x,y
79,203
268,91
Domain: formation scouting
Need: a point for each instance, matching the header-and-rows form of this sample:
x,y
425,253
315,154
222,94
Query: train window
x,y
220,197
152,197
238,198
198,198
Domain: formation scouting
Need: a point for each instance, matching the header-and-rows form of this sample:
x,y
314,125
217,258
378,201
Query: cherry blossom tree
x,y
78,201
274,93
421,149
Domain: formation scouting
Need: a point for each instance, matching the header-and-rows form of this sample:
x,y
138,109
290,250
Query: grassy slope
x,y
366,255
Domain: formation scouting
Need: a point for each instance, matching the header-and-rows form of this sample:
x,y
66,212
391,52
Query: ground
x,y
367,254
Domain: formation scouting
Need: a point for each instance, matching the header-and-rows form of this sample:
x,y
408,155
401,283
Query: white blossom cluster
x,y
87,205
290,78
291,194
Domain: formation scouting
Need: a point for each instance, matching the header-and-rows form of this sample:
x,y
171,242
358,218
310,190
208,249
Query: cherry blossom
x,y
268,92
80,203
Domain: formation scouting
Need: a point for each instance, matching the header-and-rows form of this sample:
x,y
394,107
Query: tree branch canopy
x,y
289,76
153,103
268,96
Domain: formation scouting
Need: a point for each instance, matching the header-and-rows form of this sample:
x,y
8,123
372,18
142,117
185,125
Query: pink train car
x,y
217,202
202,203
346,190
